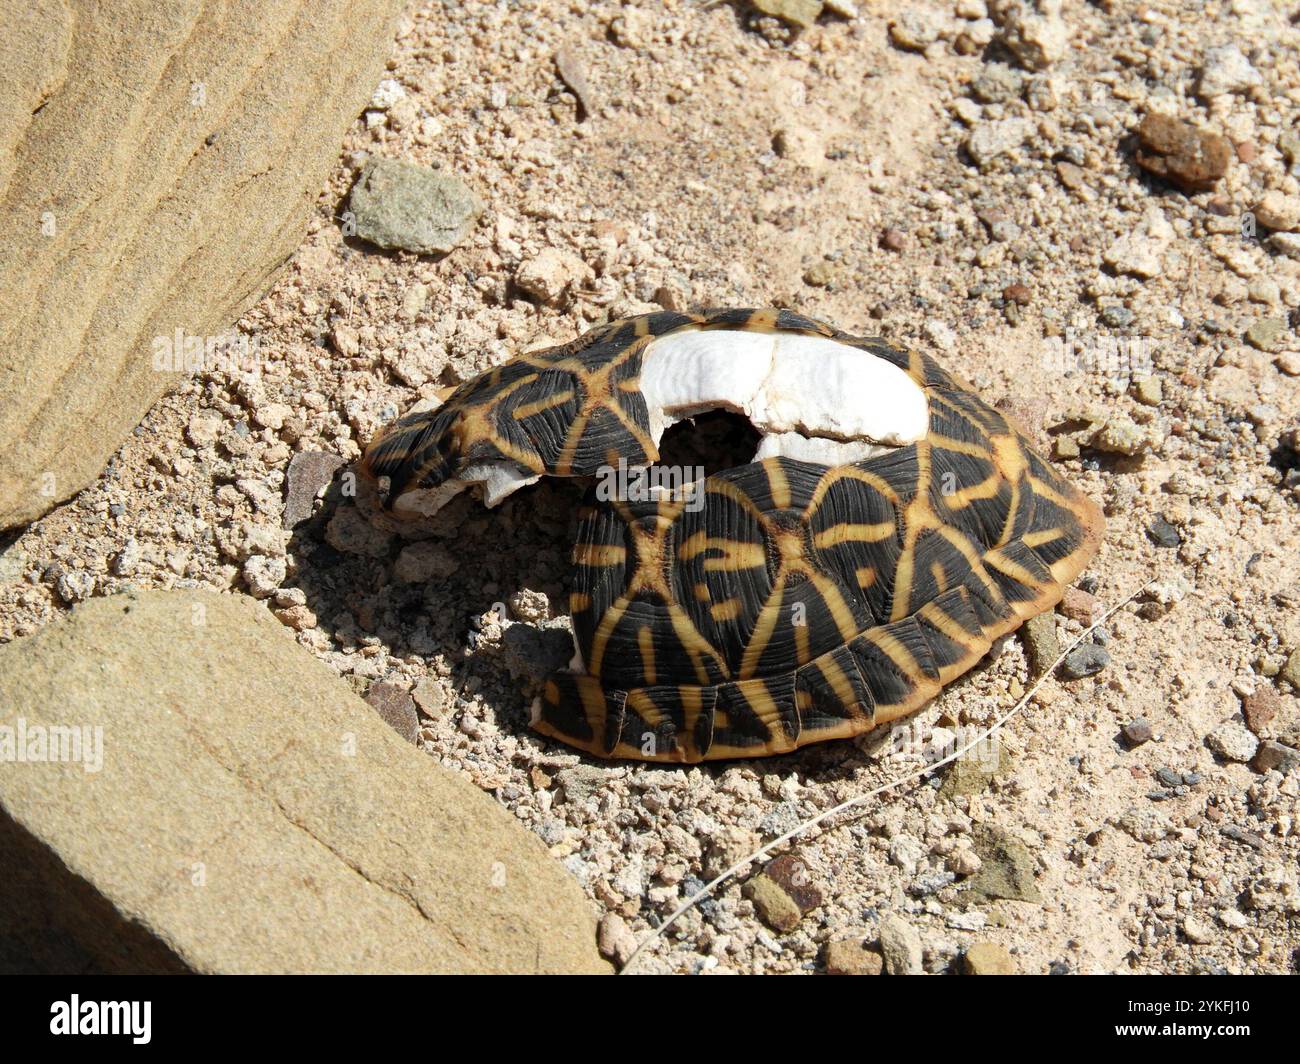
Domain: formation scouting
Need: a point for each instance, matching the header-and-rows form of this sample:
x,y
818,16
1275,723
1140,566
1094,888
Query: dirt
x,y
721,158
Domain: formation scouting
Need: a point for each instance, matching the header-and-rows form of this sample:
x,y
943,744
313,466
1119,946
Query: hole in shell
x,y
715,439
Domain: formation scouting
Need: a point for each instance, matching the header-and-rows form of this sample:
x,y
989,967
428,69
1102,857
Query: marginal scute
x,y
803,600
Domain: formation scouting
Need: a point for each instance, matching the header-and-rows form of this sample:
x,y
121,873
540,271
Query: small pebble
x,y
1267,334
1117,316
1163,534
1084,661
550,274
1148,391
393,702
1137,731
1273,755
987,958
615,939
1232,742
851,956
1017,293
309,473
1226,70
1182,154
901,946
1260,707
1198,931
1290,671
797,12
1041,645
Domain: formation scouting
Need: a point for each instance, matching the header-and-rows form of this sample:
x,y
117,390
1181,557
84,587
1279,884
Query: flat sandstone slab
x,y
158,162
250,814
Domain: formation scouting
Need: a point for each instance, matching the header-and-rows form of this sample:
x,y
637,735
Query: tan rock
x,y
988,958
248,813
1141,250
900,943
1032,30
1078,605
550,273
797,12
1180,153
1291,669
157,164
852,956
1277,210
801,145
774,906
615,938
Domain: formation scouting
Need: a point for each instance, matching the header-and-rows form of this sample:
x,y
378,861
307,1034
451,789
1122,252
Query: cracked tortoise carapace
x,y
793,601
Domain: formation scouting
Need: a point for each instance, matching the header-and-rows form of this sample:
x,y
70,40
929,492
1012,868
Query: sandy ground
x,y
728,160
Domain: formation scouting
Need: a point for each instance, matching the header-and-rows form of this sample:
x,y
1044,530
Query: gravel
x,y
671,189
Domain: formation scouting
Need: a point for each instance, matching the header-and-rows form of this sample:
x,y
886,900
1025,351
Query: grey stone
x,y
1137,731
308,475
534,653
1117,316
1083,661
997,83
424,561
1226,70
914,30
1163,534
348,531
989,140
973,772
1007,868
402,205
581,781
1032,30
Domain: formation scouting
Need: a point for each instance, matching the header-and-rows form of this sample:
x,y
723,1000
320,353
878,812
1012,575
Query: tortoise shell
x,y
783,602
